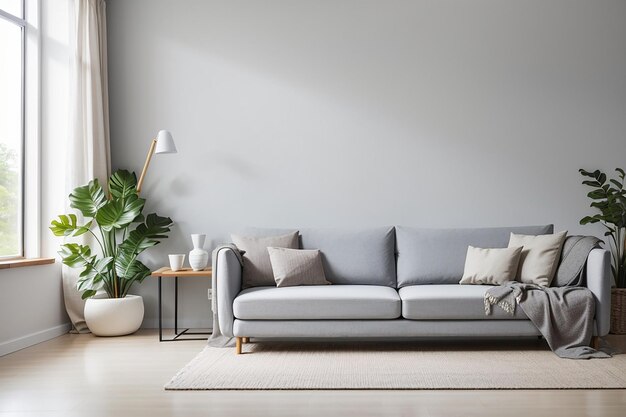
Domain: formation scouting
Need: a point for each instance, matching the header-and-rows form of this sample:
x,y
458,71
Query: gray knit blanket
x,y
563,313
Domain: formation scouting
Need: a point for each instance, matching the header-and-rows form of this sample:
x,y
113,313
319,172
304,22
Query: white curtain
x,y
88,146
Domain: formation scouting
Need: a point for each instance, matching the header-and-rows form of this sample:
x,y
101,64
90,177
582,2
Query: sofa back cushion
x,y
357,256
349,256
437,256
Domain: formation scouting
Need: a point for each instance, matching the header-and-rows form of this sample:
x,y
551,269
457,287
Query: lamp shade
x,y
165,143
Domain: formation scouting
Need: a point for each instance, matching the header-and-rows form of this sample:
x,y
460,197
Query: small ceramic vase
x,y
198,257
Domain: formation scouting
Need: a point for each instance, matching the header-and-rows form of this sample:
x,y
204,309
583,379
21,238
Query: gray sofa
x,y
389,282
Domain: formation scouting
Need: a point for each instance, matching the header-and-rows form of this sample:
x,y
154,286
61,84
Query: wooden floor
x,y
82,375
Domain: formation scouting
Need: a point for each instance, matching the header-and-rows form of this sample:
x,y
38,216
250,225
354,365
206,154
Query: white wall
x,y
358,113
32,307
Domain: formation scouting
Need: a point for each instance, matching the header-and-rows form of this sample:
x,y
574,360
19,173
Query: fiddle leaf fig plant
x,y
609,199
120,229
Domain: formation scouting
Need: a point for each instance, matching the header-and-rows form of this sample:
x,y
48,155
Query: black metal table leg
x,y
160,314
176,305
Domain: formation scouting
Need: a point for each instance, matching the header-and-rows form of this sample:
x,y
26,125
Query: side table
x,y
166,272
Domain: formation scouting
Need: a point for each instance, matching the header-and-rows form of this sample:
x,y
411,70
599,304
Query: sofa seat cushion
x,y
450,302
318,302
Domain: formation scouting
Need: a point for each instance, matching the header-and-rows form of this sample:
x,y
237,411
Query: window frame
x,y
22,24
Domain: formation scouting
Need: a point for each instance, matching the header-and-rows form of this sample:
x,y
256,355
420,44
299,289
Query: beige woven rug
x,y
395,365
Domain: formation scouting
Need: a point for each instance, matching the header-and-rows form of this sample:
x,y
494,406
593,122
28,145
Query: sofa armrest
x,y
599,283
228,281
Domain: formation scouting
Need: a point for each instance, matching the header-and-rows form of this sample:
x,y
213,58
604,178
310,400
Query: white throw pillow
x,y
294,267
490,266
540,257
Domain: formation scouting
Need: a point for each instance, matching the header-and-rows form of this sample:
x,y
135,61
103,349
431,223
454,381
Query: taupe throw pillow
x,y
257,268
297,267
540,257
490,266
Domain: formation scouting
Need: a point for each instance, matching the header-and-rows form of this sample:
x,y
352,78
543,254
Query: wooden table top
x,y
185,272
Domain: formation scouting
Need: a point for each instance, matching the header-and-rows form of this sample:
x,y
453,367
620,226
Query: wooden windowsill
x,y
20,262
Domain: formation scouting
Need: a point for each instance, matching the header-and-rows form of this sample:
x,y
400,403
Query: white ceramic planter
x,y
114,316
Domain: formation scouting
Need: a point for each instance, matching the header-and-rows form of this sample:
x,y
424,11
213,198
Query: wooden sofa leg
x,y
595,342
238,345
245,340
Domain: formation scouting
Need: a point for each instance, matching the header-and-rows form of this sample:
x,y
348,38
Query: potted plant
x,y
609,198
120,233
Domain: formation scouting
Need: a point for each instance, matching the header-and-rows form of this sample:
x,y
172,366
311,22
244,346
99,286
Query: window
x,y
12,26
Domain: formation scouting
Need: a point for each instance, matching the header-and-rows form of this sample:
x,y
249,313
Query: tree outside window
x,y
12,26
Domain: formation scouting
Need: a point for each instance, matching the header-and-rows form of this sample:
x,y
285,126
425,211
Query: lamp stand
x,y
146,165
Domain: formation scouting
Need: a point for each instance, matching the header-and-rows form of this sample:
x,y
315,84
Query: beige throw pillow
x,y
540,257
257,268
490,266
297,267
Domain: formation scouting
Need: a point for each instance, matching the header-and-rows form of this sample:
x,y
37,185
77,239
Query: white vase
x,y
198,257
114,316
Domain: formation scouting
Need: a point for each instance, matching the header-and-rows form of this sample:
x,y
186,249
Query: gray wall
x,y
357,113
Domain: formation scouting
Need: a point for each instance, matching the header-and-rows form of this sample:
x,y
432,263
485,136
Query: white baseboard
x,y
14,345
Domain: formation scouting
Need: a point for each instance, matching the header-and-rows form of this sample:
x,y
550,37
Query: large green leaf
x,y
597,194
88,293
139,273
88,199
588,220
66,226
117,214
75,255
94,273
83,229
592,183
128,267
97,269
140,239
79,256
123,184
